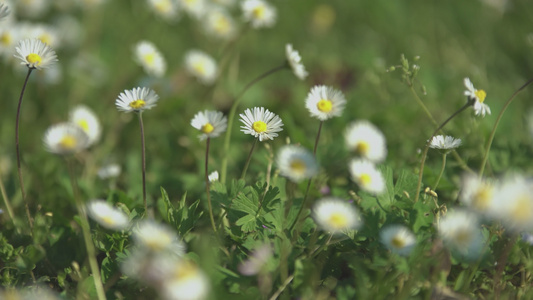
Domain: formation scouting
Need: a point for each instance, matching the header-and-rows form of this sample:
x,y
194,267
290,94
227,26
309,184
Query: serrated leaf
x,y
421,216
248,223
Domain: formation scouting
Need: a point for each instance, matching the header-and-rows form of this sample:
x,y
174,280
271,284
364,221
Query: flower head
x,y
201,65
325,102
210,123
154,237
367,140
147,55
87,120
336,215
461,231
295,61
35,54
296,163
257,260
4,11
137,100
261,123
478,96
513,203
186,282
259,13
109,171
477,193
213,176
65,138
367,177
167,9
195,8
444,142
219,23
107,215
399,239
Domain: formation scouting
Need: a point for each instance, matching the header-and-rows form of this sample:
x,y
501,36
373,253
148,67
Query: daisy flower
x,y
4,11
261,123
167,9
399,239
45,34
325,102
35,54
460,230
201,65
444,142
477,193
147,55
367,177
210,123
87,120
65,138
9,35
137,100
107,215
257,260
259,13
186,282
213,176
109,171
296,163
156,237
219,23
478,96
195,8
367,140
513,203
295,61
336,215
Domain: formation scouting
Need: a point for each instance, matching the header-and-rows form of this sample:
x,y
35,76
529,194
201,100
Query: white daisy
x,y
149,267
186,282
4,11
87,120
201,65
296,163
137,100
325,102
35,54
167,9
367,177
106,215
213,176
9,35
219,23
210,123
259,13
45,34
367,140
399,239
478,96
65,138
295,61
261,123
147,55
256,260
461,231
336,215
477,193
513,203
156,237
444,142
109,171
195,8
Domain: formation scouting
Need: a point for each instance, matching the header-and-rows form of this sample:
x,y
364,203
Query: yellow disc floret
x,y
199,67
481,95
84,125
149,58
362,148
398,242
298,166
137,104
34,59
207,128
365,179
259,12
68,142
338,220
324,105
259,126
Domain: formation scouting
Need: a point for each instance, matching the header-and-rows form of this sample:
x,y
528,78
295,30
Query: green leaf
x,y
108,269
421,216
248,223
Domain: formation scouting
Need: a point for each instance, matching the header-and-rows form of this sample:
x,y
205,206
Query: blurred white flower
x,y
366,140
295,61
65,138
336,215
4,11
256,260
461,231
201,65
513,203
296,163
444,142
88,121
109,171
168,9
261,123
399,239
367,176
33,8
259,13
219,23
213,176
195,8
186,282
150,59
477,193
107,215
324,102
155,237
478,96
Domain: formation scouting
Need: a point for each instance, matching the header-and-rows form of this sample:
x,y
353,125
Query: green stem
x,y
231,117
248,159
143,154
86,230
6,201
493,132
207,186
441,171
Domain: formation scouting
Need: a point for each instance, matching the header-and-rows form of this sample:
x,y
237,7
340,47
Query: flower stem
x,y
231,117
207,186
426,148
21,182
493,132
441,171
143,163
86,230
248,160
6,201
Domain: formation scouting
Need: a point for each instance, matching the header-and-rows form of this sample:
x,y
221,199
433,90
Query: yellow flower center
x,y
362,148
157,242
481,95
137,104
34,59
199,67
162,6
259,12
398,242
84,124
108,220
5,39
68,142
338,220
463,238
45,38
185,271
207,128
298,166
222,25
365,179
149,58
481,199
521,212
259,126
324,105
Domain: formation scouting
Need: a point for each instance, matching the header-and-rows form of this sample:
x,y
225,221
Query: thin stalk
x,y
21,182
6,201
502,262
231,117
86,230
493,132
309,181
441,171
248,159
143,163
207,185
426,148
